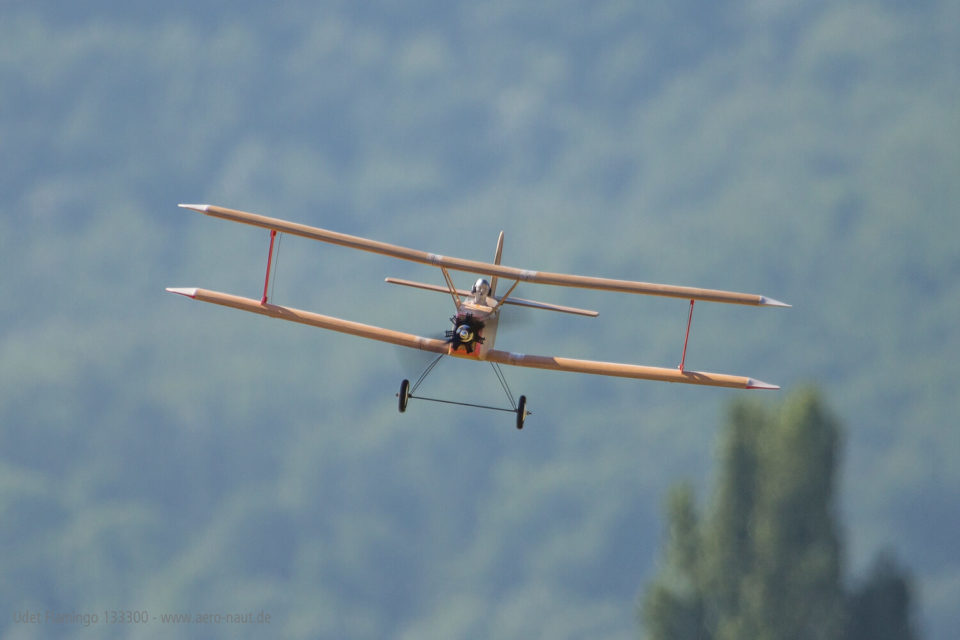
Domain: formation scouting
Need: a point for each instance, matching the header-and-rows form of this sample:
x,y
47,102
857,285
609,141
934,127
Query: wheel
x,y
521,411
404,395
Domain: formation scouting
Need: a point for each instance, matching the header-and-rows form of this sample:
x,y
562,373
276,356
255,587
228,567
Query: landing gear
x,y
404,395
407,390
521,411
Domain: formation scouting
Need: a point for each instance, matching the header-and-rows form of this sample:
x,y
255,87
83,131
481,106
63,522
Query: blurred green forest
x,y
166,456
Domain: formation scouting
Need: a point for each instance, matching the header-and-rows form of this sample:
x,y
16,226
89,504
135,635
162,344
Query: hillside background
x,y
162,455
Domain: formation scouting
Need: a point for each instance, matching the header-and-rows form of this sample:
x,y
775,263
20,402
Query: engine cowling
x,y
466,332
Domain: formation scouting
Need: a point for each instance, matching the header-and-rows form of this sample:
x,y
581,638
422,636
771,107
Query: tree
x,y
881,607
729,554
793,589
674,605
767,561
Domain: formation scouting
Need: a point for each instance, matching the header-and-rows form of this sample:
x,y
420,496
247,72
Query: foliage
x,y
767,562
881,606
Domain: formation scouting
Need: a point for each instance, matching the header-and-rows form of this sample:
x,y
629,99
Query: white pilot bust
x,y
480,291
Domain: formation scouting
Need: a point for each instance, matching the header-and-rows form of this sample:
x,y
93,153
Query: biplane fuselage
x,y
477,319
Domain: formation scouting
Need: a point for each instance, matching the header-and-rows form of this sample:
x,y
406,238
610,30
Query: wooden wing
x,y
313,319
440,346
621,370
483,268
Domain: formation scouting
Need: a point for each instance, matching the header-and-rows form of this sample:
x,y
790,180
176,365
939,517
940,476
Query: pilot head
x,y
480,290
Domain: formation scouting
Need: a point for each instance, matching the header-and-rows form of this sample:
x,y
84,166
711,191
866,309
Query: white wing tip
x,y
190,292
202,208
770,302
760,384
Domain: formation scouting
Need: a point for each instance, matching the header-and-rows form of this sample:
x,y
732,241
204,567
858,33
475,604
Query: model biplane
x,y
477,312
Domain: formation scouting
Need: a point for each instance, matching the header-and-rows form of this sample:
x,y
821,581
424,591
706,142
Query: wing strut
x,y
266,279
451,288
505,297
683,358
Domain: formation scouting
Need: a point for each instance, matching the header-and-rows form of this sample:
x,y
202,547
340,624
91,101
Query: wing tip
x,y
189,292
760,384
202,208
771,302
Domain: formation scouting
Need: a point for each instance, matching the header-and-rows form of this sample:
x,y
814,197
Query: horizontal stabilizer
x,y
533,304
519,302
463,293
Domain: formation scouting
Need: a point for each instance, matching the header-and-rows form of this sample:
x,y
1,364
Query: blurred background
x,y
162,455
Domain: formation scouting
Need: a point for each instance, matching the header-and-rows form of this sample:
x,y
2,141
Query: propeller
x,y
465,333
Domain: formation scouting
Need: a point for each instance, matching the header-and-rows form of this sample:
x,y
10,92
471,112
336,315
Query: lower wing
x,y
620,370
440,346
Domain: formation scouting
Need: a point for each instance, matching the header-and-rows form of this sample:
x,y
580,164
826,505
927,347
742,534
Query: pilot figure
x,y
480,291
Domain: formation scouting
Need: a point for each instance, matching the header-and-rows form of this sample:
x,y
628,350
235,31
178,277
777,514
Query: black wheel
x,y
404,395
521,411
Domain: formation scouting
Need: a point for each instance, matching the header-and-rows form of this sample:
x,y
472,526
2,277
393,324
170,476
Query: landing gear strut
x,y
518,407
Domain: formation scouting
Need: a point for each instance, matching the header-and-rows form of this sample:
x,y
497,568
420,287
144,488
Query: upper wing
x,y
440,346
484,268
